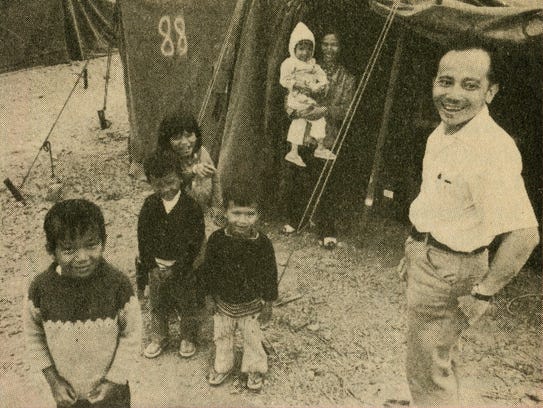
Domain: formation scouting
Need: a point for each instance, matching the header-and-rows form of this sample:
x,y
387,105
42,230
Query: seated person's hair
x,y
69,219
244,197
175,124
161,164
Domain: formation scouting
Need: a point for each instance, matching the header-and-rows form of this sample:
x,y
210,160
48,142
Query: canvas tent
x,y
48,32
248,139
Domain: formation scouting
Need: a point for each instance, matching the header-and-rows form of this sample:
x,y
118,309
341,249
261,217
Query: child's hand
x,y
211,305
203,170
63,393
101,391
266,313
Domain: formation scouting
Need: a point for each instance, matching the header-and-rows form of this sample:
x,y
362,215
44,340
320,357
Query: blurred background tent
x,y
48,32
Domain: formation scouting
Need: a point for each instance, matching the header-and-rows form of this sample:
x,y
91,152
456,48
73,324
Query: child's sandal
x,y
254,381
215,378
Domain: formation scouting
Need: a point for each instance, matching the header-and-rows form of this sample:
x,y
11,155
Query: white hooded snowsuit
x,y
295,71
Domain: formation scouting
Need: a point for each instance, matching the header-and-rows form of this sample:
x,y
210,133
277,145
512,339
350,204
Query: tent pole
x,y
383,131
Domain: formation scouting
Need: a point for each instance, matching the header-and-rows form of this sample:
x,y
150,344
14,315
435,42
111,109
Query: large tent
x,y
244,124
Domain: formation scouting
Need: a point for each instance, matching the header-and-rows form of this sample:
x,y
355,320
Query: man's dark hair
x,y
494,69
162,163
243,197
69,219
176,124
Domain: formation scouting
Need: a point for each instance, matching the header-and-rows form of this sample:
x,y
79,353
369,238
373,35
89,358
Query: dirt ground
x,y
341,343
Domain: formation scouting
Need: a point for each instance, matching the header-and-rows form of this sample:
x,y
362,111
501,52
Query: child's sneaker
x,y
322,153
295,158
187,349
153,350
254,381
215,378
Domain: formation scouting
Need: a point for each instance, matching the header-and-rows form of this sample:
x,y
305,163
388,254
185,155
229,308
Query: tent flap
x,y
446,19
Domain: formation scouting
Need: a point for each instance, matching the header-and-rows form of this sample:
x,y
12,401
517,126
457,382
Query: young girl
x,y
180,133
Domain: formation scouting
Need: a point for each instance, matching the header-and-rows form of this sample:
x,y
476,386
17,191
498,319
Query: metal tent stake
x,y
104,123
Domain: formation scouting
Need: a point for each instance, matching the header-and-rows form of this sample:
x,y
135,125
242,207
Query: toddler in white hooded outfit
x,y
303,78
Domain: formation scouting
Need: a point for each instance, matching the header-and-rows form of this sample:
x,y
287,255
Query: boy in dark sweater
x,y
240,274
170,234
82,319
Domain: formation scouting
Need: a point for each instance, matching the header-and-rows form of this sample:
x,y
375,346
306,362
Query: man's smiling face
x,y
461,87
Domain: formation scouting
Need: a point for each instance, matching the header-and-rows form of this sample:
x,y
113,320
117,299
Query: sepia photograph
x,y
271,203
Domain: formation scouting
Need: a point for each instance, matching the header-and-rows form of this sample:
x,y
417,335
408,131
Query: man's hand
x,y
203,170
101,391
63,393
473,308
315,113
266,313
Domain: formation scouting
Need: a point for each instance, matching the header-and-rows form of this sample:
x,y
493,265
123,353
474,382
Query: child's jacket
x,y
177,235
294,70
86,328
240,270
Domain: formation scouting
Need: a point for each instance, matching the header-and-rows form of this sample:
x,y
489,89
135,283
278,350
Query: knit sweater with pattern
x,y
86,328
240,270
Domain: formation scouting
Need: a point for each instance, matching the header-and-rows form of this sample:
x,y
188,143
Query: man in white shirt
x,y
472,191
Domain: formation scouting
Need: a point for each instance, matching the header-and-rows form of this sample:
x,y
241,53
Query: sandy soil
x,y
340,344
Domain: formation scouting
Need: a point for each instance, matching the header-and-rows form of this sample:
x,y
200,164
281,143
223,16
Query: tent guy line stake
x,y
15,191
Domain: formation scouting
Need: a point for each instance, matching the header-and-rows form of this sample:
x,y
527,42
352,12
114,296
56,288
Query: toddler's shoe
x,y
153,350
322,153
215,378
295,158
187,349
254,381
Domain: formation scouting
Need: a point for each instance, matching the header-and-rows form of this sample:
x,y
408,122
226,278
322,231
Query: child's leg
x,y
223,335
318,130
296,138
254,357
296,131
158,302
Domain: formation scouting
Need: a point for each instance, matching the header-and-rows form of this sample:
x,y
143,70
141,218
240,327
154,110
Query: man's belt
x,y
429,239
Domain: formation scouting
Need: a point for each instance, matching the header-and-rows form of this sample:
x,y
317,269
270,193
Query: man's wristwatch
x,y
480,296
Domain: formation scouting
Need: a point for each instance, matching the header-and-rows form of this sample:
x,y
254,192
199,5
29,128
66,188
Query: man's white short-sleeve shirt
x,y
472,188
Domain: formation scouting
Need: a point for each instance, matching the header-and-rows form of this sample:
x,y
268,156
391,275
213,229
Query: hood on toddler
x,y
300,32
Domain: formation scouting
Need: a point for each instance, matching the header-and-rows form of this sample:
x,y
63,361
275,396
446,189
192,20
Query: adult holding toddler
x,y
332,107
304,79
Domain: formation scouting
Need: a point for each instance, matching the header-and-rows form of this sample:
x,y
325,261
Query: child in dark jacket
x,y
170,235
82,319
240,274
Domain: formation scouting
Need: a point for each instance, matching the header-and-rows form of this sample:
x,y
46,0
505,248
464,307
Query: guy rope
x,y
320,185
